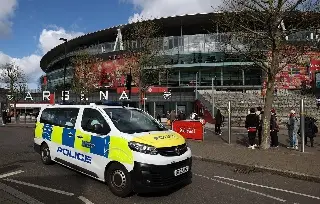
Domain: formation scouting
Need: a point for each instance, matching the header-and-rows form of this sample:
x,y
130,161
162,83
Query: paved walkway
x,y
278,160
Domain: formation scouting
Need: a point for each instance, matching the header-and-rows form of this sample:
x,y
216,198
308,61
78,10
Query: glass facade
x,y
189,54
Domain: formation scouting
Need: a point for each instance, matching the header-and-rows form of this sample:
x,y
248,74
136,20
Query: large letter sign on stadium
x,y
74,155
46,96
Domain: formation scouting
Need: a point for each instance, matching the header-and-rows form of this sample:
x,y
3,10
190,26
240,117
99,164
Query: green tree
x,y
264,31
15,81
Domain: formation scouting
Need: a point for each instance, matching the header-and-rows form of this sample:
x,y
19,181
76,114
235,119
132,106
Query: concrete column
x,y
221,75
179,78
243,78
199,78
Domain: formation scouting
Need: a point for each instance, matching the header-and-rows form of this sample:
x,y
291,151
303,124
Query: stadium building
x,y
193,49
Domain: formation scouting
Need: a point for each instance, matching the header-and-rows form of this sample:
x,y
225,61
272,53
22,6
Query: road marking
x,y
268,187
19,195
245,189
40,187
10,174
85,200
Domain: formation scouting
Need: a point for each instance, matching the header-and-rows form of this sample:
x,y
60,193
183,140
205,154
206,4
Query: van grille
x,y
173,151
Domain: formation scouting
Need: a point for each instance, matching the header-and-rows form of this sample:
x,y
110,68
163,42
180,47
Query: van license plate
x,y
180,171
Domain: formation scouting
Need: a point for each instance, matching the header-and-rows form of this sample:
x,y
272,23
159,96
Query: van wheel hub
x,y
45,153
119,179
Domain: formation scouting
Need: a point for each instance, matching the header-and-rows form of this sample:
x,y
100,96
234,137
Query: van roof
x,y
80,106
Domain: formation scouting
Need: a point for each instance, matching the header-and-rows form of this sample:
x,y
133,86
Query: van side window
x,y
63,117
92,117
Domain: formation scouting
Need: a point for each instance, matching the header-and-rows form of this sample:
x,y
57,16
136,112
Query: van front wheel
x,y
119,180
45,154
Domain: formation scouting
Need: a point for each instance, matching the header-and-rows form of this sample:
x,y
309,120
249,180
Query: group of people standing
x,y
254,124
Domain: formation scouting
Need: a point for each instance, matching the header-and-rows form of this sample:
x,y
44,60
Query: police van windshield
x,y
133,121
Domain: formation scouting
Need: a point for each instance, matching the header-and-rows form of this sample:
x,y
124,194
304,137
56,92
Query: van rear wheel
x,y
119,180
45,154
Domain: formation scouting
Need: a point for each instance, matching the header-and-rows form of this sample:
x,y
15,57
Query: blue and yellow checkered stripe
x,y
113,148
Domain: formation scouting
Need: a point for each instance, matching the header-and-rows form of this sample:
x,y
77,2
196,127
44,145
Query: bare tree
x,y
267,33
41,85
143,43
87,74
15,80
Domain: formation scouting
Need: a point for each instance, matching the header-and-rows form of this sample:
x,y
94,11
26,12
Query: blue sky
x,y
30,28
32,16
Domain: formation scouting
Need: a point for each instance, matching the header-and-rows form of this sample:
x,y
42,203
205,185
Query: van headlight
x,y
143,148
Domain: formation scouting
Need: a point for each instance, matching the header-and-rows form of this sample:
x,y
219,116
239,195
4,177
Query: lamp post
x,y
65,67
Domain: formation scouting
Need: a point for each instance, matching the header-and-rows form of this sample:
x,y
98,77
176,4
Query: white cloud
x,y
48,39
7,9
162,8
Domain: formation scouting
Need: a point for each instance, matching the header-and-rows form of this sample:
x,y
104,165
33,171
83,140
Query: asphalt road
x,y
212,183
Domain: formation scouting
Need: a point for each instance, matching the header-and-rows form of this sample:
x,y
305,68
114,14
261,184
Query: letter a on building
x,y
124,96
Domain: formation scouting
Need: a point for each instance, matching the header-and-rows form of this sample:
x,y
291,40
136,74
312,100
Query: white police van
x,y
124,147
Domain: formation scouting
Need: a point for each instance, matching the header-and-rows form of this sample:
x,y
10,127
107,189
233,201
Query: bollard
x,y
154,109
229,122
302,124
212,98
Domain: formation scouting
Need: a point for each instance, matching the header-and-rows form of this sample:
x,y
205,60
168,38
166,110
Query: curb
x,y
256,168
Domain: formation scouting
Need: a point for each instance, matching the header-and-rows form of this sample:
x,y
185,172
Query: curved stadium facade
x,y
193,52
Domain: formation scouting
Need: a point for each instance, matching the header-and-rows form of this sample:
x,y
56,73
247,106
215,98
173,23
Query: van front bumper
x,y
151,178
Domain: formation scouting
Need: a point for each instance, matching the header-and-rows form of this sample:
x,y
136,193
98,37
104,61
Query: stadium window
x,y
175,41
170,43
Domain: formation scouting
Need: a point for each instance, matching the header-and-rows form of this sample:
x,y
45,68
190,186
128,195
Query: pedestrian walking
x,y
168,118
4,117
173,117
293,128
159,117
274,129
260,115
252,124
218,121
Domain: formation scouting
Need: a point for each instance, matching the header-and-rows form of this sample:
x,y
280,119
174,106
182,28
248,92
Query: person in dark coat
x,y
274,129
218,119
4,117
252,124
310,129
159,117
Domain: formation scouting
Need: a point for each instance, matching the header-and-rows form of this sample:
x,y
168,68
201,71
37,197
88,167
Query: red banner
x,y
52,101
189,129
149,90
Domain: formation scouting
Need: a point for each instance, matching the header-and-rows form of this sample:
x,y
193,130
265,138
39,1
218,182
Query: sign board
x,y
189,129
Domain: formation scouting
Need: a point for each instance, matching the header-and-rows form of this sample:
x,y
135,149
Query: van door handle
x,y
70,134
79,136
